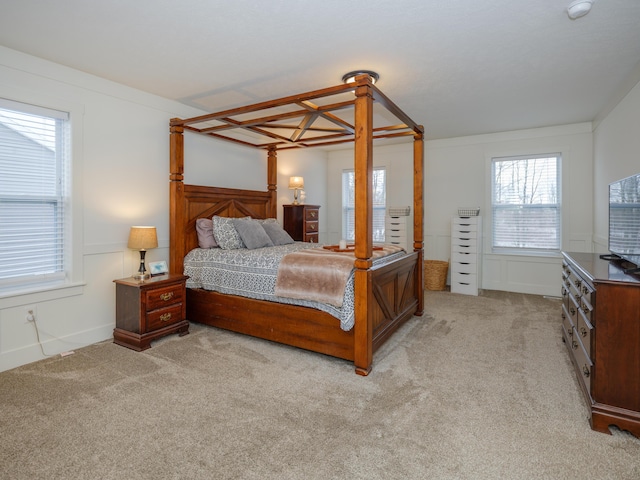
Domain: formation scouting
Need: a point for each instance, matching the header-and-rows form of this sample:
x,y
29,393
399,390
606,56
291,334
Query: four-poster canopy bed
x,y
385,296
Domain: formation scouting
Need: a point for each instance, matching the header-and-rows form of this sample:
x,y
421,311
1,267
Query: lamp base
x,y
142,271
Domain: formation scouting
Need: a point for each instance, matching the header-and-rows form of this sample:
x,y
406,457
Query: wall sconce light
x,y
351,76
295,184
142,238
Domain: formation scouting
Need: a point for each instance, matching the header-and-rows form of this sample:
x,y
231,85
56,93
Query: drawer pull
x,y
312,226
165,317
312,214
585,371
166,296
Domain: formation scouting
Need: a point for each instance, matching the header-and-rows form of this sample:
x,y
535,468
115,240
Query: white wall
x,y
616,155
121,173
457,174
311,164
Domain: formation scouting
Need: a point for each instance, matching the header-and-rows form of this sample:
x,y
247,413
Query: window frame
x,y
71,283
557,205
376,208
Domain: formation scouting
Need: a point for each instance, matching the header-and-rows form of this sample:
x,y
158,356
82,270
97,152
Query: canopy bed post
x,y
272,180
418,215
176,199
363,329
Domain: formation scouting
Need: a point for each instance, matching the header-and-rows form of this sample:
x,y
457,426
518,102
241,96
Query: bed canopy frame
x,y
357,113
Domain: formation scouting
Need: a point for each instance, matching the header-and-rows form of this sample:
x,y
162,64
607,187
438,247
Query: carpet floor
x,y
479,388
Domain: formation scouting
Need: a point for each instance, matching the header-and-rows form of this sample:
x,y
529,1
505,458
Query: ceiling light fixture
x,y
579,8
351,76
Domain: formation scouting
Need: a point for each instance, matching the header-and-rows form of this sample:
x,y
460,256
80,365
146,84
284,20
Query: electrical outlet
x,y
30,313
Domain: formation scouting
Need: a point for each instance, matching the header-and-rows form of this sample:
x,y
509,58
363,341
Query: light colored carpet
x,y
480,388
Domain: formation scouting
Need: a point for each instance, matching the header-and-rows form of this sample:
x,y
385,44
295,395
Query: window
x,y
348,204
526,203
34,195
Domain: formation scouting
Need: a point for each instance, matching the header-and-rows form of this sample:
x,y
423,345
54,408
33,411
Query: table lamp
x,y
295,184
142,238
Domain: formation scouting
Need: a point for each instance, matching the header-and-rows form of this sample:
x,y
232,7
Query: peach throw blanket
x,y
318,274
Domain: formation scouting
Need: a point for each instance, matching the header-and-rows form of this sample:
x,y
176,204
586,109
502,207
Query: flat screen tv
x,y
624,219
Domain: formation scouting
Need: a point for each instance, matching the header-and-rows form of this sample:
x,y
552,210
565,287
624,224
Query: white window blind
x,y
348,204
526,203
34,219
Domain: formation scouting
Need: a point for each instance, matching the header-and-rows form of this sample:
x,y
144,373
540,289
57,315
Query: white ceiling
x,y
459,67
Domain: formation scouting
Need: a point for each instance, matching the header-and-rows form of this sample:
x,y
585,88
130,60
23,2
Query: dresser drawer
x,y
584,330
164,317
162,297
584,363
311,237
567,325
311,227
311,214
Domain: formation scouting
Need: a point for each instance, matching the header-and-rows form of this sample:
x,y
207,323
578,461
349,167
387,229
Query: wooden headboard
x,y
205,202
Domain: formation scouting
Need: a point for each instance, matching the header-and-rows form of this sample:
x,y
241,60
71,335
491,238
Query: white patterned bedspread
x,y
253,273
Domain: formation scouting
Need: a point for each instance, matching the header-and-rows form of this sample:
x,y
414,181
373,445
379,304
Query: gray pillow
x,y
252,233
225,233
277,234
204,228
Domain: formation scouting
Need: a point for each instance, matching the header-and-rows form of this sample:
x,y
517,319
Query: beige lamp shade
x,y
142,238
296,183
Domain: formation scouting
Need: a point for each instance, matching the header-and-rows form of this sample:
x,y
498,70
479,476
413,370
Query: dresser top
x,y
601,270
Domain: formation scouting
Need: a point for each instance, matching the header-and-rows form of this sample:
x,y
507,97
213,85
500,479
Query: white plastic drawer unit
x,y
466,249
395,229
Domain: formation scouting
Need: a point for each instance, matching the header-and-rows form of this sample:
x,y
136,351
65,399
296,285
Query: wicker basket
x,y
435,274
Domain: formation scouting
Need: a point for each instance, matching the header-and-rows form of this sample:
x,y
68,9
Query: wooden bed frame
x,y
385,296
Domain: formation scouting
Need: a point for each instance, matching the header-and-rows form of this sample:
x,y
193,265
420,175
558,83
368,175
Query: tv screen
x,y
624,218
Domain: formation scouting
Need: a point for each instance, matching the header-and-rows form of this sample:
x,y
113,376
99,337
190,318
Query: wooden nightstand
x,y
149,309
301,222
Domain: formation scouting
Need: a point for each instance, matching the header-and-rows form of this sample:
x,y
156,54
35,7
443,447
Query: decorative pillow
x,y
225,233
277,234
204,228
252,233
262,221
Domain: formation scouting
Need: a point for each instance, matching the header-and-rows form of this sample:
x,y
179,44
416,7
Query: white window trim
x,y
22,295
564,152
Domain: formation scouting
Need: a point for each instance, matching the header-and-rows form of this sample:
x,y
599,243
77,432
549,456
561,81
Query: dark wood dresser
x,y
149,309
301,222
601,328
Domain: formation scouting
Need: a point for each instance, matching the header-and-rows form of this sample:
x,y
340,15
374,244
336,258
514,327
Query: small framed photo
x,y
158,268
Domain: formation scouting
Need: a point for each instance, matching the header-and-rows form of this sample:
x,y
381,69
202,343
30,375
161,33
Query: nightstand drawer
x,y
162,297
164,317
311,237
